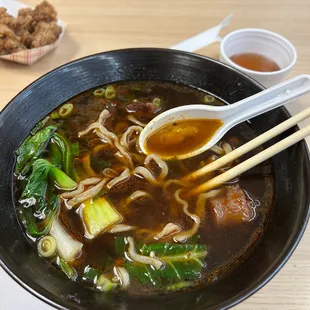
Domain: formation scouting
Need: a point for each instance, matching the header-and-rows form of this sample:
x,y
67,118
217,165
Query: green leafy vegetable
x,y
61,179
90,274
37,183
41,205
32,148
182,263
66,152
75,149
37,228
38,180
119,246
40,125
55,155
67,269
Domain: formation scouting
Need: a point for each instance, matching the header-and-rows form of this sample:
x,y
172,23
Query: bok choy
x,y
32,148
64,149
67,247
183,263
98,215
39,201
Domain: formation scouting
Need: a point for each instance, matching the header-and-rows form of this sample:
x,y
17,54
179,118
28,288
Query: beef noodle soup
x,y
112,218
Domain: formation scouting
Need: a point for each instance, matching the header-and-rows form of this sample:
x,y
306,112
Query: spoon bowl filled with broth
x,y
94,222
187,131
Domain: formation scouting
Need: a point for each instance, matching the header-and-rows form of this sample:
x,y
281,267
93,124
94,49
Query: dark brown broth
x,y
225,243
182,137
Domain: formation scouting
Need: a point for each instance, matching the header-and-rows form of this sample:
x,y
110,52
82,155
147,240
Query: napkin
x,y
204,38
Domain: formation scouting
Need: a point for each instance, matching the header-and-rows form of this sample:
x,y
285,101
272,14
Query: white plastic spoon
x,y
230,115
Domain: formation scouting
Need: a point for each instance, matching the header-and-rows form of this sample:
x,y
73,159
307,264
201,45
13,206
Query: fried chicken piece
x,y
31,28
6,18
6,31
13,45
26,38
23,21
2,50
45,33
10,43
44,12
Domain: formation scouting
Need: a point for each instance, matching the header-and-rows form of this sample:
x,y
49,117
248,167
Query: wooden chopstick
x,y
250,163
248,146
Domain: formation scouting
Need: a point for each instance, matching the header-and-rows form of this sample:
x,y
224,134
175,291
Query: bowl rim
x,y
263,32
247,292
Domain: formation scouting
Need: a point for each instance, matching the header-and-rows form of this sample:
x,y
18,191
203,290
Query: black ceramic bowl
x,y
282,234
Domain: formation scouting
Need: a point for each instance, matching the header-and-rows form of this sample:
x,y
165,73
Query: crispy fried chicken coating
x,y
9,42
31,28
45,33
44,12
23,21
6,18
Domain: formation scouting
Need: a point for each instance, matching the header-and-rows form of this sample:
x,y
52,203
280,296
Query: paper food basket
x,y
29,56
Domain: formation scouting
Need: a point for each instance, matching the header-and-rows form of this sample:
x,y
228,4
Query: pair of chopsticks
x,y
253,161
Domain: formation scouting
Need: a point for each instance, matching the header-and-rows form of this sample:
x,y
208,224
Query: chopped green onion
x,y
157,102
136,87
55,115
47,246
66,110
208,99
67,269
99,92
105,284
110,92
179,285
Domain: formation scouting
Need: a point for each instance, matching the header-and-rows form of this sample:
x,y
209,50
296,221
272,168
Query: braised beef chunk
x,y
232,206
143,107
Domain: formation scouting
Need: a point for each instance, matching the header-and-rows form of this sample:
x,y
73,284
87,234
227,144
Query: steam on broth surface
x,y
113,218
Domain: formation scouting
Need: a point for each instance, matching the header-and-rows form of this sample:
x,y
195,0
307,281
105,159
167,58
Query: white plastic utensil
x,y
230,115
